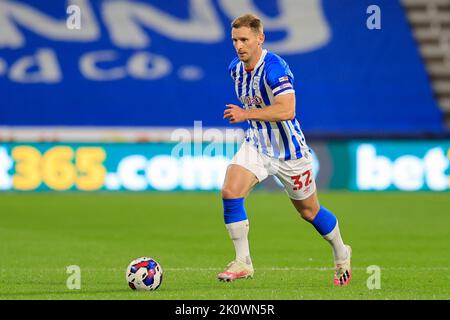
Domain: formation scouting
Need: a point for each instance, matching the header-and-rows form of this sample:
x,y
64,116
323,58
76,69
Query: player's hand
x,y
234,113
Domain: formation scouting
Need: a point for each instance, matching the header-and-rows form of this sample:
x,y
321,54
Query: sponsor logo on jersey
x,y
251,100
286,85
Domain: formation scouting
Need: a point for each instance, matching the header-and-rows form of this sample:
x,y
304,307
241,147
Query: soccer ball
x,y
144,274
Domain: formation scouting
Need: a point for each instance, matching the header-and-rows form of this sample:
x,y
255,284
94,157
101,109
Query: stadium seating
x,y
430,20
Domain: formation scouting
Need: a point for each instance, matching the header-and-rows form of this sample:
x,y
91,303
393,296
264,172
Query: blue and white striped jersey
x,y
257,89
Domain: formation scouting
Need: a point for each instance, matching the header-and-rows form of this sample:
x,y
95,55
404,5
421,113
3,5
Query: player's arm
x,y
282,109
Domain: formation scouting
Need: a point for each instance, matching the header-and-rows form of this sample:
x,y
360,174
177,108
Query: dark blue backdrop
x,y
353,81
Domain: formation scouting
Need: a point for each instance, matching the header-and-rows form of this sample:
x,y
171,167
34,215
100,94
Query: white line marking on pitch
x,y
256,268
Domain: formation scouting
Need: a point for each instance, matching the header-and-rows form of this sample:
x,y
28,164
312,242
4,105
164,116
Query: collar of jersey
x,y
261,59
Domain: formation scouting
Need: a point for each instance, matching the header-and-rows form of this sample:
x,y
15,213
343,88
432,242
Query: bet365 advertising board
x,y
352,165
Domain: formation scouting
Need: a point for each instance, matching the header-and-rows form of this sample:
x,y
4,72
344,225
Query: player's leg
x,y
326,223
298,180
238,183
244,172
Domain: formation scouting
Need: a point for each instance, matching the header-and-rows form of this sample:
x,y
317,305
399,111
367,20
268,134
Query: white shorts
x,y
295,175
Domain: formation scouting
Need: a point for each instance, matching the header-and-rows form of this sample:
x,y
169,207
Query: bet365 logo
x,y
385,167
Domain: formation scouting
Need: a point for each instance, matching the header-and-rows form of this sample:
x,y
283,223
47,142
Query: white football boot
x,y
236,270
343,270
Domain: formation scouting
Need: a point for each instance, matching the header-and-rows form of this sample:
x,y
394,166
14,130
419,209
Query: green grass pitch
x,y
406,234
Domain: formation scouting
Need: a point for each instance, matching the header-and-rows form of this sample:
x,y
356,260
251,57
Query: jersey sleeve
x,y
280,78
232,69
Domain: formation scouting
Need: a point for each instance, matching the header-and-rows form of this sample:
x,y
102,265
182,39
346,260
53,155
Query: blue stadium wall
x,y
164,63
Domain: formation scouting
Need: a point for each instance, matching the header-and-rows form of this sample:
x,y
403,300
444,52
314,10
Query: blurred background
x,y
124,95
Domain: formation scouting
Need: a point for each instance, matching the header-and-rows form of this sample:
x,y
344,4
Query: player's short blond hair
x,y
249,20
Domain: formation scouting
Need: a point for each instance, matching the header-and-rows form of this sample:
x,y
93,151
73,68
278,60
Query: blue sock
x,y
233,210
324,222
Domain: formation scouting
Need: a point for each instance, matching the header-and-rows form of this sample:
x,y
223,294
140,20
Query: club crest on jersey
x,y
251,100
256,82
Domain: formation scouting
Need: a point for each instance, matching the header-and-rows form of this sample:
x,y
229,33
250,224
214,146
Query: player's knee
x,y
230,193
308,213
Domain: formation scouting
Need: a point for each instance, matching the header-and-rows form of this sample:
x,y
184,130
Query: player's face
x,y
247,43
